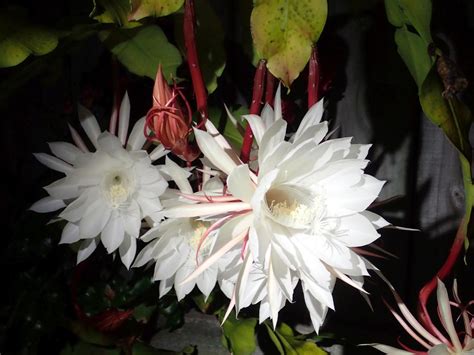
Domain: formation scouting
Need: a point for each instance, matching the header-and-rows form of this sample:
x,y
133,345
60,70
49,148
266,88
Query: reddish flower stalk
x,y
257,95
193,60
443,272
117,96
313,78
269,88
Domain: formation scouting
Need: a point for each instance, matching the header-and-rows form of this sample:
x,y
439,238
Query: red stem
x,y
193,60
313,78
257,95
269,88
443,272
117,95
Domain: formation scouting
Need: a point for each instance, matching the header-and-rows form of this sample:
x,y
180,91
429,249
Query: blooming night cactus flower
x,y
434,341
300,218
107,193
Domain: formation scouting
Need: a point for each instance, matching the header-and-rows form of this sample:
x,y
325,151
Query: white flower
x,y
107,193
431,338
177,246
301,218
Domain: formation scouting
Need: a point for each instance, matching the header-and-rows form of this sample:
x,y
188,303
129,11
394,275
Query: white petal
x,y
214,152
205,209
65,151
70,234
94,219
158,152
53,163
239,183
356,231
277,104
89,124
47,204
179,175
137,138
146,254
113,233
446,317
127,250
166,286
76,209
358,151
207,280
77,139
316,310
375,219
267,115
86,249
274,135
62,189
167,266
312,117
182,289
124,119
132,219
386,349
257,125
315,133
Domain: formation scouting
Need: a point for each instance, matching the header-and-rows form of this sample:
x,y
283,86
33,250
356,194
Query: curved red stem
x,y
443,272
189,32
269,88
313,78
257,95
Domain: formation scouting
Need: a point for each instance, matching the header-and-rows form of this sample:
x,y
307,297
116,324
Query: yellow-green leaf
x,y
395,13
414,53
112,11
419,14
142,49
20,39
239,334
452,116
155,8
284,31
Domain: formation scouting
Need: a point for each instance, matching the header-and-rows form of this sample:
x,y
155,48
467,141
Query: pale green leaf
x,y
414,53
20,39
229,130
142,49
154,8
452,116
284,32
240,334
395,13
419,15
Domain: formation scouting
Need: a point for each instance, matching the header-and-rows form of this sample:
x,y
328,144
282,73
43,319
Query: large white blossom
x,y
300,217
108,192
178,245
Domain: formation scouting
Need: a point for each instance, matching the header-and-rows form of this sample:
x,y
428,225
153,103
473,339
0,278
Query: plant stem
x,y
459,240
313,78
257,95
269,88
189,32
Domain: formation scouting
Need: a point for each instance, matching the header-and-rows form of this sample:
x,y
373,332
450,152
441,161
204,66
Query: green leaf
x,y
419,14
452,116
142,49
143,312
155,8
111,11
239,334
230,131
395,13
414,53
289,344
284,31
89,334
20,39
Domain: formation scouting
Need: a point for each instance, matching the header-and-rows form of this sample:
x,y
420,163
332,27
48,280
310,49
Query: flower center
x,y
198,228
117,187
291,207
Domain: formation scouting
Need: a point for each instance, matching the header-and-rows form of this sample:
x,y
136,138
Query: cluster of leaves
x,y
436,77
